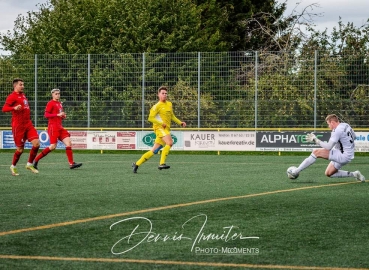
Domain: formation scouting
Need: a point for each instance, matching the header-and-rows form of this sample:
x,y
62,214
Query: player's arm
x,y
326,145
8,108
177,121
49,111
50,115
9,105
152,118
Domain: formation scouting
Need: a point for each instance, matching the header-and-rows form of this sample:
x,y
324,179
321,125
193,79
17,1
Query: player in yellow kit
x,y
161,115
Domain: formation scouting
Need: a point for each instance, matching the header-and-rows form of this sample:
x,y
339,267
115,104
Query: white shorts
x,y
339,159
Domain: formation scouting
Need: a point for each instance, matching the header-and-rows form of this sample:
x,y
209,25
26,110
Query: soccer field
x,y
205,212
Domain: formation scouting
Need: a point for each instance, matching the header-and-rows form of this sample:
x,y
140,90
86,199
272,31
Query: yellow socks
x,y
164,154
145,157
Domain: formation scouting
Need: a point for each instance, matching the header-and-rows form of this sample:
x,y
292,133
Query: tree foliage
x,y
97,27
343,54
230,19
136,26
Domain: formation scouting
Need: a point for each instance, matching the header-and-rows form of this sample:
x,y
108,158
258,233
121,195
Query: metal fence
x,y
208,90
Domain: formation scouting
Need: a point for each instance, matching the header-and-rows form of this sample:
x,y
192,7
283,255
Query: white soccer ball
x,y
291,175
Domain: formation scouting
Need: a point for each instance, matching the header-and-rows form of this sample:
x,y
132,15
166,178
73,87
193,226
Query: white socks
x,y
306,163
342,174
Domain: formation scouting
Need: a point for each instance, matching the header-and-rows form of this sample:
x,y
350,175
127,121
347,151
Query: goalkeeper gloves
x,y
312,138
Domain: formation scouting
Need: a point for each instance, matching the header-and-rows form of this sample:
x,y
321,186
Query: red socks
x,y
16,157
33,154
42,154
69,152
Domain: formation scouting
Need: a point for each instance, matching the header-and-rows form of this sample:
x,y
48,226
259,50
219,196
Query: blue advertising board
x,y
8,141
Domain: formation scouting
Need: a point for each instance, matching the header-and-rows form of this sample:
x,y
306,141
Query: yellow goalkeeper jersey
x,y
162,112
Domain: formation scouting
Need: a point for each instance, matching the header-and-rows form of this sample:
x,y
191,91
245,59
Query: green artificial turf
x,y
199,214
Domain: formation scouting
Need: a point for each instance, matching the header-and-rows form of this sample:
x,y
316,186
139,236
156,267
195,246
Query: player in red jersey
x,y
22,127
54,112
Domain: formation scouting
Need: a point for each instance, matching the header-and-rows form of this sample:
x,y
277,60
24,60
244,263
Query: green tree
x,y
238,21
119,26
136,26
343,75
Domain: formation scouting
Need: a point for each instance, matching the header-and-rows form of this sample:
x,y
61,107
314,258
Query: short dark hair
x,y
162,88
16,80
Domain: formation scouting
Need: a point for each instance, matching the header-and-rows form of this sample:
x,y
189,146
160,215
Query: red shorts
x,y
57,133
21,134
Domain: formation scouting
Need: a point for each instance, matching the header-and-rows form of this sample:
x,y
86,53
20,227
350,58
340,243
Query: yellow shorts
x,y
160,133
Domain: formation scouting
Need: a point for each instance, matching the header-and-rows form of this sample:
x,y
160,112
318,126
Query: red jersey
x,y
20,117
52,109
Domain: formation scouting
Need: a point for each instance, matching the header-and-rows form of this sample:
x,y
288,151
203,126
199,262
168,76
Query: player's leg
x,y
19,139
164,153
33,152
68,150
18,152
338,160
333,172
158,144
32,155
158,149
13,168
32,137
43,153
53,138
317,153
332,169
145,157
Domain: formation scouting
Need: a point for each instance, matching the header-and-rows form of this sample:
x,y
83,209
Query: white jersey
x,y
344,138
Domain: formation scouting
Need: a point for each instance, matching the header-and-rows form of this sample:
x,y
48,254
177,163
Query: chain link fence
x,y
208,90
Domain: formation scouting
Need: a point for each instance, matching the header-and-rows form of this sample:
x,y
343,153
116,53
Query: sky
x,y
355,11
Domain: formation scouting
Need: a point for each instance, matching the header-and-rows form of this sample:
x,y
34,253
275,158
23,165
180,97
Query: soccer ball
x,y
290,175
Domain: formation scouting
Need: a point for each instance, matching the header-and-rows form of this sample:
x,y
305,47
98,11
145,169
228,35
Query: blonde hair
x,y
332,117
55,90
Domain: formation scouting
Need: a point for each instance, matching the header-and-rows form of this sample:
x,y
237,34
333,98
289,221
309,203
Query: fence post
x,y
35,90
143,91
315,84
88,89
256,89
198,88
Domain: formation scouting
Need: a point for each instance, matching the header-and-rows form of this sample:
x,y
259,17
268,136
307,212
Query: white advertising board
x,y
362,142
225,141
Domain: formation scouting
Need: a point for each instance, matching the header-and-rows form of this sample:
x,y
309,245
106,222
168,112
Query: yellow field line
x,y
211,264
165,208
